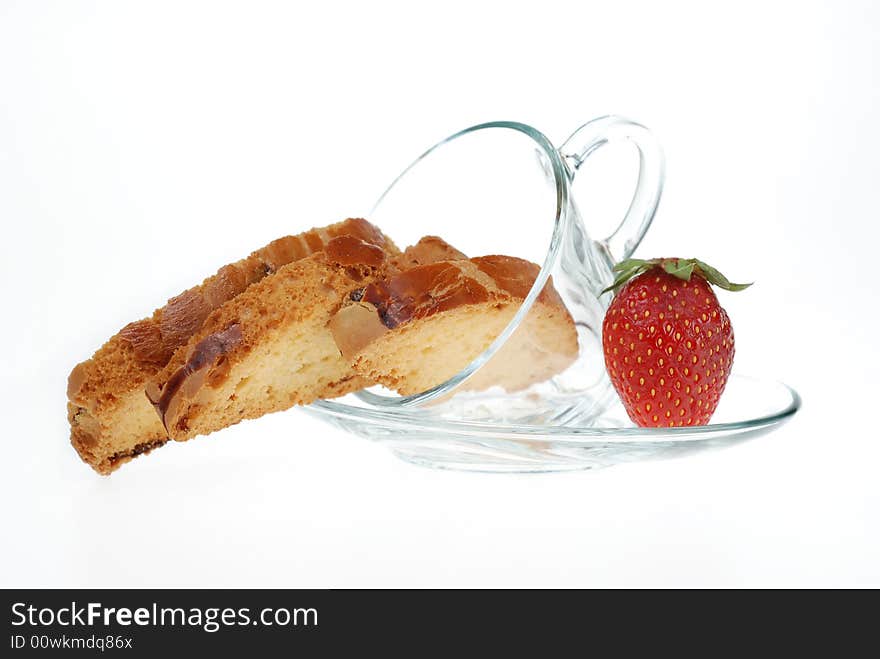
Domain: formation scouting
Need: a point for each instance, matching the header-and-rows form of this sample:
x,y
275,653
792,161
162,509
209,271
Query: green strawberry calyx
x,y
681,268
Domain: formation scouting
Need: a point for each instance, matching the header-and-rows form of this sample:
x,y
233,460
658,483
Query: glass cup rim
x,y
560,221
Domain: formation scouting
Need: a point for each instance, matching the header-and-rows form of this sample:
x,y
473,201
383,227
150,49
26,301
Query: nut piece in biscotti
x,y
269,348
429,249
418,328
111,419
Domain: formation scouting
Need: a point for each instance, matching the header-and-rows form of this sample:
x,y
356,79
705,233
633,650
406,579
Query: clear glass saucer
x,y
750,407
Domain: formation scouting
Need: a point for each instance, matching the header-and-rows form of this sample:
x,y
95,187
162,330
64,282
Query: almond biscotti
x,y
417,328
271,348
111,418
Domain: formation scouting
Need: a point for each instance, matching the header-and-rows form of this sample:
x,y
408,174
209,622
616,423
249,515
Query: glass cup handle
x,y
599,132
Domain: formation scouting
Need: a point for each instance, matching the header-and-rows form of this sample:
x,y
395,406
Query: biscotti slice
x,y
420,327
110,417
269,348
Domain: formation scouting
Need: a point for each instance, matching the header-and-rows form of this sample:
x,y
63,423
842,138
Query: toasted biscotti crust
x,y
269,348
111,419
420,327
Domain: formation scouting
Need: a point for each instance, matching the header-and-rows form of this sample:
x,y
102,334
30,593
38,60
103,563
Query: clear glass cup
x,y
504,188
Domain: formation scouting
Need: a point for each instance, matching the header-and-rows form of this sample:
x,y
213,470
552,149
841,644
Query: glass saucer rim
x,y
419,423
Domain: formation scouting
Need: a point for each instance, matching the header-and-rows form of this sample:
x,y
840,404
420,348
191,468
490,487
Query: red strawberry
x,y
668,343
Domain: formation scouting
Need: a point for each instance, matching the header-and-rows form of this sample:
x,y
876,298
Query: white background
x,y
142,145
